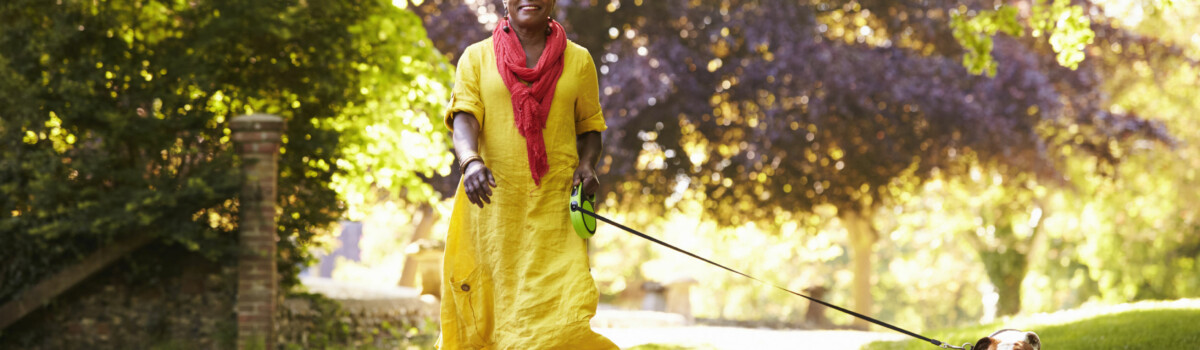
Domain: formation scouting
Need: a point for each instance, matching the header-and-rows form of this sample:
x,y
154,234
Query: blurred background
x,y
934,164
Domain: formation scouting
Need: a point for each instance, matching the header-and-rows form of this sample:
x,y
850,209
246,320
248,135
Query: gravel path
x,y
704,337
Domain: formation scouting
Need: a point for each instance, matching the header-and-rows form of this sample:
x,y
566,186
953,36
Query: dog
x,y
1009,339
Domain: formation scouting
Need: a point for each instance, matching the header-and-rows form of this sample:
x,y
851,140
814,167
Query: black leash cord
x,y
818,301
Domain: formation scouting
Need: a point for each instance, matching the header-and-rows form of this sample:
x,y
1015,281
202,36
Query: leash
x,y
581,204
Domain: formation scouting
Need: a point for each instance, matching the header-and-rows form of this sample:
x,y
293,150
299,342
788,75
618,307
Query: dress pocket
x,y
474,310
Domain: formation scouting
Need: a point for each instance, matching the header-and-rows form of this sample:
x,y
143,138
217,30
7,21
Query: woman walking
x,y
526,120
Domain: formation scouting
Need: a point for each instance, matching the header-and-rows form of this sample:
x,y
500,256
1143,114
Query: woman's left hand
x,y
587,176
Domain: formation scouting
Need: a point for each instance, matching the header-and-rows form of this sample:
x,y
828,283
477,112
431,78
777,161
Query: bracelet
x,y
467,161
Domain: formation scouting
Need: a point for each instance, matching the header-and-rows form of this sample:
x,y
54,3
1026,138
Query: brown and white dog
x,y
1010,339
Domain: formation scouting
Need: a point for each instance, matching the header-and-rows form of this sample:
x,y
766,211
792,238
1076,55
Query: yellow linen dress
x,y
516,275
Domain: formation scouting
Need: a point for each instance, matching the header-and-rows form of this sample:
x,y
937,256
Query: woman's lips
x,y
530,8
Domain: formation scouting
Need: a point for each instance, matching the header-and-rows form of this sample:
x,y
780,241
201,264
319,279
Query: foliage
x,y
1069,32
1132,236
1004,219
721,106
975,35
329,327
117,113
1135,237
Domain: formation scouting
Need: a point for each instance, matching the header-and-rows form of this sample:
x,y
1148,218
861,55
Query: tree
x,y
762,108
116,120
1135,237
1009,217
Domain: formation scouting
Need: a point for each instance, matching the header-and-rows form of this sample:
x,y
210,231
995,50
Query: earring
x,y
505,28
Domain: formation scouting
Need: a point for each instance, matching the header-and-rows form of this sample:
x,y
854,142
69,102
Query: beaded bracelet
x,y
467,161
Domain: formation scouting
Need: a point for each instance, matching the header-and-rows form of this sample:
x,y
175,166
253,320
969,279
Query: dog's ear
x,y
1033,340
983,344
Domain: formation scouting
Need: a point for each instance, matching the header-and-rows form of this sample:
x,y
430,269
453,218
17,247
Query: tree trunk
x,y
862,240
1007,260
1006,270
1010,295
408,277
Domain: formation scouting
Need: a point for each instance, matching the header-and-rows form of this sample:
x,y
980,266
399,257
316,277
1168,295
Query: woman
x,y
525,113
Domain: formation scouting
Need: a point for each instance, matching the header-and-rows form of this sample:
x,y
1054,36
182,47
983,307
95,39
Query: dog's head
x,y
1010,339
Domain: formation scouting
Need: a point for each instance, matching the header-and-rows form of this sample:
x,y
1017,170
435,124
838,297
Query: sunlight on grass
x,y
667,347
1142,325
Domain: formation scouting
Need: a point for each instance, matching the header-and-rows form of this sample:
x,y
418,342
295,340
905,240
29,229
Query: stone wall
x,y
312,322
166,297
158,296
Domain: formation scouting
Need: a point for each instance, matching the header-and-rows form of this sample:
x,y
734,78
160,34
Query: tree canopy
x,y
116,120
763,108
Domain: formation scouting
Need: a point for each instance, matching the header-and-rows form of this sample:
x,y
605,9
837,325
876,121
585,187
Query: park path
x,y
626,328
732,338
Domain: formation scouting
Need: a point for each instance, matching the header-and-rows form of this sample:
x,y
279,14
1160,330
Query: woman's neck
x,y
531,38
532,42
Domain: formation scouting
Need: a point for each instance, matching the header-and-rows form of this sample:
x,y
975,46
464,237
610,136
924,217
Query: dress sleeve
x,y
465,96
588,115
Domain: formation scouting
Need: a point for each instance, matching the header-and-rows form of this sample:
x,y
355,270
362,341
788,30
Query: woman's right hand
x,y
478,182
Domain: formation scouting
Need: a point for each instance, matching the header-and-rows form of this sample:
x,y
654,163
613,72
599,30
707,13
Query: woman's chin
x,y
529,20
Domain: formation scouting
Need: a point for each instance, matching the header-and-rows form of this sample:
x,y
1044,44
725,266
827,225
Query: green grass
x,y
667,347
1143,326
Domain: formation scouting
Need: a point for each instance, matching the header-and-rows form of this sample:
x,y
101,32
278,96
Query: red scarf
x,y
531,104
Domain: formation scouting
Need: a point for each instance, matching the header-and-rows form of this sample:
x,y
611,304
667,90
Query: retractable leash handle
x,y
581,206
585,225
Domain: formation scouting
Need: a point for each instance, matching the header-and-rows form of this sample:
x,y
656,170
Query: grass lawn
x,y
667,347
1143,325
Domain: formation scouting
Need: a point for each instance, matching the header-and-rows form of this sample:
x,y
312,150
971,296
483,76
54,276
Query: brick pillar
x,y
257,137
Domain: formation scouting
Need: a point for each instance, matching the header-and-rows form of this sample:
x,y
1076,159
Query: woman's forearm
x,y
466,135
589,145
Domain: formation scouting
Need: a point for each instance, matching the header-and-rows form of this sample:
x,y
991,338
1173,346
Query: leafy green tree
x,y
1139,227
1002,219
116,120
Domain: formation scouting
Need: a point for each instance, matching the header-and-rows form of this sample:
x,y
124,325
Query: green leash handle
x,y
585,225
